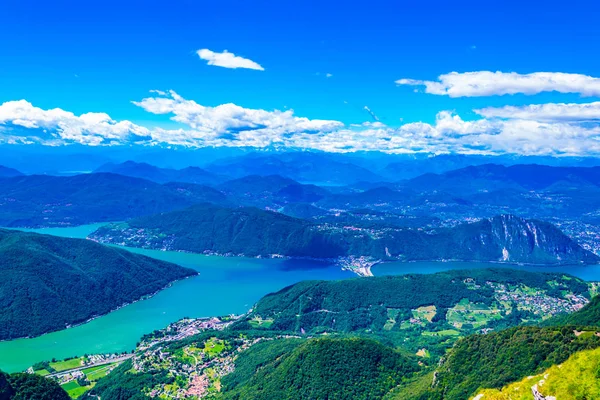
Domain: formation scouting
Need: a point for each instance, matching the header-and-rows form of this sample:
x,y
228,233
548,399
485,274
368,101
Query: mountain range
x,y
6,172
304,167
41,200
494,177
162,175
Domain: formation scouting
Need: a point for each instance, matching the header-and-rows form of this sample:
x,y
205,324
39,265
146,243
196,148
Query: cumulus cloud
x,y
231,121
547,129
59,126
227,60
546,112
487,83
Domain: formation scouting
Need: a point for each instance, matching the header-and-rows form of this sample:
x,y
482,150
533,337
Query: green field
x,y
214,347
475,314
67,364
95,373
446,332
258,322
425,313
392,314
74,389
42,372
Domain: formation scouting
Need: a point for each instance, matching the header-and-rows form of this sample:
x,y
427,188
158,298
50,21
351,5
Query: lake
x,y
224,286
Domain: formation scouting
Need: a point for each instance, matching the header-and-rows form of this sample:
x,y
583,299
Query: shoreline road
x,y
111,361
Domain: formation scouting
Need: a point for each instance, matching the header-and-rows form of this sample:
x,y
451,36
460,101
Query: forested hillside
x,y
424,302
21,386
49,282
355,368
215,229
253,232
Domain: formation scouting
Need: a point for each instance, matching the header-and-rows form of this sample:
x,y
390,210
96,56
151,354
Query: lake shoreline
x,y
75,325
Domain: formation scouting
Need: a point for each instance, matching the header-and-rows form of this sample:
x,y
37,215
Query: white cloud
x,y
529,130
487,83
227,60
60,126
546,112
328,75
233,121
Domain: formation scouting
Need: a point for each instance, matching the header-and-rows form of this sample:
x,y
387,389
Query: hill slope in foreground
x,y
49,283
258,357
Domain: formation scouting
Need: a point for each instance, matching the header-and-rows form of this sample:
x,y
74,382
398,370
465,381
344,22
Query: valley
x,y
237,200
466,271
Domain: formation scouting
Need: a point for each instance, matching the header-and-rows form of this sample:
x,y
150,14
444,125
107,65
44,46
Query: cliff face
x,y
531,241
504,238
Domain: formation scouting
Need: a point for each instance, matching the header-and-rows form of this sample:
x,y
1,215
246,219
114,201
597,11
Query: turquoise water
x,y
80,232
224,286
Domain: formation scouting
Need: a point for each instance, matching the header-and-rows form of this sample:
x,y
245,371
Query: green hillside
x,y
357,338
496,359
416,304
576,378
49,282
588,316
250,366
248,231
22,386
326,369
211,228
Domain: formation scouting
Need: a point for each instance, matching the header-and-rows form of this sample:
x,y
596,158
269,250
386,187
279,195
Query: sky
x,y
396,76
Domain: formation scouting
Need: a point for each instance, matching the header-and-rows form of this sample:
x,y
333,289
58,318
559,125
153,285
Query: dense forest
x,y
359,304
351,368
206,227
326,368
21,386
253,232
50,282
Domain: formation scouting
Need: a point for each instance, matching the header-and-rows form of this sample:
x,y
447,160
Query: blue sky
x,y
100,57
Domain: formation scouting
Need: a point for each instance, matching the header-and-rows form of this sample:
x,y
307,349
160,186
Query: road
x,y
111,361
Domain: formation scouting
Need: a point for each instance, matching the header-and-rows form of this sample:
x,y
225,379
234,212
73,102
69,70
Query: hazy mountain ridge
x,y
305,167
163,175
6,172
41,200
494,177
